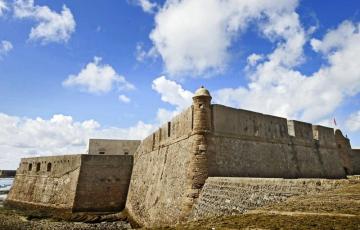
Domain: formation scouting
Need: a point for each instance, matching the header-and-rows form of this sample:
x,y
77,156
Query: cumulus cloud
x,y
194,37
61,134
5,48
172,93
353,122
276,87
51,27
98,78
3,7
124,98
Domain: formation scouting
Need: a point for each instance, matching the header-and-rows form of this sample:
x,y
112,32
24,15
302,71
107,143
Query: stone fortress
x,y
208,160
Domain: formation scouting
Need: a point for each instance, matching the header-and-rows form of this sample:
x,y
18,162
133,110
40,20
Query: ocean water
x,y
5,185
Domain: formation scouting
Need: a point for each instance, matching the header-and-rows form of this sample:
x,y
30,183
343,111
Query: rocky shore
x,y
16,220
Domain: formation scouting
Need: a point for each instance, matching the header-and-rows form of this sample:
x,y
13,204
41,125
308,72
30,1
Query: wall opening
x,y
346,171
48,167
30,167
169,128
38,167
126,153
102,153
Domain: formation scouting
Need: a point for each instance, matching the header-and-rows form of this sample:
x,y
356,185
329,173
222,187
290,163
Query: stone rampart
x,y
72,183
249,144
222,196
172,164
157,191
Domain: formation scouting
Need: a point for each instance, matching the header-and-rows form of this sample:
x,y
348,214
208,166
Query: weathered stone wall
x,y
113,147
103,183
249,144
355,158
38,184
157,192
7,173
230,196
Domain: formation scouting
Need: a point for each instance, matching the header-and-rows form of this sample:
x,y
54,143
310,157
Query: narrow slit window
x,y
49,167
30,167
102,153
169,129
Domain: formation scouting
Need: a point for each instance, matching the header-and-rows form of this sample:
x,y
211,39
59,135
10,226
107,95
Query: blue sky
x,y
70,70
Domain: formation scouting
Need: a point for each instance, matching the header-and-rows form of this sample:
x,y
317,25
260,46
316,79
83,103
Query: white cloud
x,y
98,78
277,88
26,137
172,93
124,98
51,27
3,7
5,48
194,37
147,5
352,123
253,59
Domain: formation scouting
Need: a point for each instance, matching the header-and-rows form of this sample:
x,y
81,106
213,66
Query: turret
x,y
202,110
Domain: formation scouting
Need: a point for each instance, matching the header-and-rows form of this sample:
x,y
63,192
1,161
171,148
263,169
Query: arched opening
x,y
48,167
38,167
30,167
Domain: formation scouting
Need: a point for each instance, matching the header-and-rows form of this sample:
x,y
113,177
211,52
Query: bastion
x,y
208,141
72,183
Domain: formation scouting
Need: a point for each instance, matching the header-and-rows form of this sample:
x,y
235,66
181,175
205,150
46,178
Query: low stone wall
x,y
7,173
230,196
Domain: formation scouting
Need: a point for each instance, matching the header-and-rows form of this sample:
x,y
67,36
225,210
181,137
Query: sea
x,y
5,185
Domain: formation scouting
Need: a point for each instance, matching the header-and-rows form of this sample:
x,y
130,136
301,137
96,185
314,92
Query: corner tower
x,y
197,171
202,111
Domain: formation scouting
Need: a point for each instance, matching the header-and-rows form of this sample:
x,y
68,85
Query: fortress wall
x,y
232,196
159,181
113,147
355,158
39,187
249,144
103,183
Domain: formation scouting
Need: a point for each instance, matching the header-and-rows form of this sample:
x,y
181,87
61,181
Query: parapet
x,y
301,130
112,147
324,135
